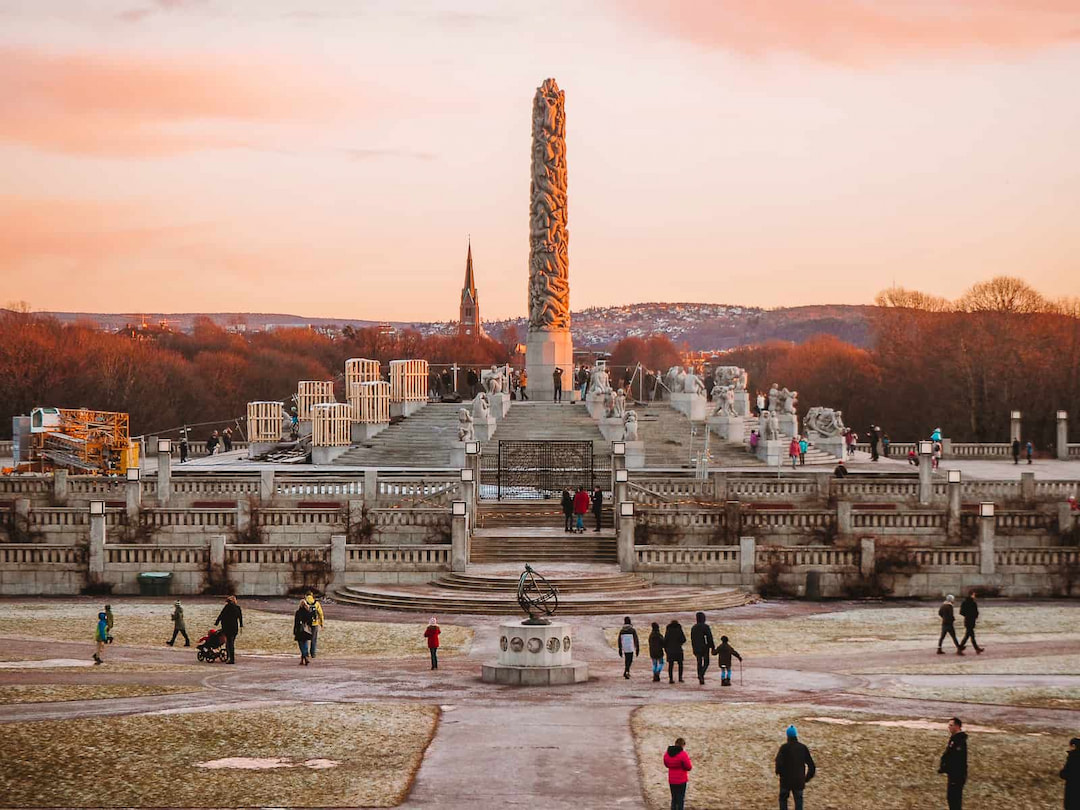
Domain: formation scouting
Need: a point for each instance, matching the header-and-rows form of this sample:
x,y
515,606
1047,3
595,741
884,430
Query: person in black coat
x,y
231,621
701,641
969,609
724,653
795,767
656,651
674,638
302,630
1071,774
568,509
948,625
954,764
597,505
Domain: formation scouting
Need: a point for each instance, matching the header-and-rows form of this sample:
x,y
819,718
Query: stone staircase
x,y
669,444
550,545
547,421
814,456
421,440
534,514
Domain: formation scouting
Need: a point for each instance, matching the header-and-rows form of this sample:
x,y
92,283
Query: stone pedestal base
x,y
534,655
594,404
405,408
611,428
362,432
485,430
742,403
789,424
457,455
500,405
305,428
326,455
635,455
544,351
774,451
728,428
692,406
834,445
256,449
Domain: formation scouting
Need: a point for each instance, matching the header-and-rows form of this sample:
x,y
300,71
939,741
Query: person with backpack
x,y
678,763
178,627
431,633
302,630
803,446
318,620
948,625
954,764
674,638
101,635
969,609
1029,451
108,624
795,767
628,645
581,508
724,654
212,444
701,642
656,651
568,510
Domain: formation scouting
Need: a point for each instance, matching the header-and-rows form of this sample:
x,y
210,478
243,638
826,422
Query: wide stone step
x,y
609,584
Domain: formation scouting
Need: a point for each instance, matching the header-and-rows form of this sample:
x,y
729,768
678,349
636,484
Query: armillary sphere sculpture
x,y
537,597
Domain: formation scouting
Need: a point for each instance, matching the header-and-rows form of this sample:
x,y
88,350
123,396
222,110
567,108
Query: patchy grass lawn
x,y
152,760
875,630
56,692
1037,664
1030,697
733,748
145,624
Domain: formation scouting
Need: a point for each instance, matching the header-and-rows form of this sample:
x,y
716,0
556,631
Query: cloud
x,y
865,33
375,154
134,15
139,106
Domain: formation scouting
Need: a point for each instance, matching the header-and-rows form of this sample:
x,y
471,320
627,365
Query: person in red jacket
x,y
677,761
432,636
581,508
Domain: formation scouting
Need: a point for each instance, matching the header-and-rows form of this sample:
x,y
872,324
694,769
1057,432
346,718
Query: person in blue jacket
x,y
101,636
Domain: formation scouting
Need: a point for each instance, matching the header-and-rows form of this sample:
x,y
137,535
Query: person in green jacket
x,y
101,636
178,627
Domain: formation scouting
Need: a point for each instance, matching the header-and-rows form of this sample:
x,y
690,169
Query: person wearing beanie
x,y
948,625
628,645
318,619
1071,774
724,654
677,761
178,626
969,609
656,651
795,767
432,636
674,638
954,764
101,636
701,641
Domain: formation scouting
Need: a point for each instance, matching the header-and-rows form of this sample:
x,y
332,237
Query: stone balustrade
x,y
713,558
669,490
756,488
141,556
791,519
300,486
421,558
818,557
26,486
907,522
411,490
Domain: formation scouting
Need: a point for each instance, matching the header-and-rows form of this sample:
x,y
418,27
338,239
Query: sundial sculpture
x,y
537,597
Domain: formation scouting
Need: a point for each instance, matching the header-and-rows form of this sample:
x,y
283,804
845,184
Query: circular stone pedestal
x,y
534,655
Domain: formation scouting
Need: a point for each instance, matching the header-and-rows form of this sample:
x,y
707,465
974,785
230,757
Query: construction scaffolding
x,y
330,424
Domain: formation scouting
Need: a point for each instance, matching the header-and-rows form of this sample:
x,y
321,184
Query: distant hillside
x,y
701,326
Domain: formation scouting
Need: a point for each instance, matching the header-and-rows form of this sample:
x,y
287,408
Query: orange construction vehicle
x,y
76,439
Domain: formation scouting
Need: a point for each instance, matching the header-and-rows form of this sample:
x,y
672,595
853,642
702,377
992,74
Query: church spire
x,y
469,317
470,282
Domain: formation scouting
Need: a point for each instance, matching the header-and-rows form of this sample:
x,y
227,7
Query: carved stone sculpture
x,y
609,404
771,423
496,381
674,379
692,384
620,403
731,375
774,398
724,400
788,401
466,427
823,423
600,381
630,426
549,264
481,408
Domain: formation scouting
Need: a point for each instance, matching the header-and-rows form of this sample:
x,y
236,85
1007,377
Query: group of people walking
x,y
669,645
969,611
307,620
576,506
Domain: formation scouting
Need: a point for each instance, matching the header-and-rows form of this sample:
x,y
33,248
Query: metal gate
x,y
541,470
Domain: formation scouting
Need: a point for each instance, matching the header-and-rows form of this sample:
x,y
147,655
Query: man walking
x,y
581,508
556,379
1029,450
568,509
318,619
948,625
674,638
969,609
701,640
1016,451
954,764
795,767
231,621
598,506
628,645
178,627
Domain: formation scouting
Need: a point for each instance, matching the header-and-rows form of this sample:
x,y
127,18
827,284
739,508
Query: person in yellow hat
x,y
317,619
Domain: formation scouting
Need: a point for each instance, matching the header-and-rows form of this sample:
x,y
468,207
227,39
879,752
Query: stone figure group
x,y
679,381
724,400
614,404
770,423
549,267
466,427
782,400
481,409
630,426
599,381
734,376
495,380
823,423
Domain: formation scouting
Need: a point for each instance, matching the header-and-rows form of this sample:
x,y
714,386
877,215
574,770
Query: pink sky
x,y
329,158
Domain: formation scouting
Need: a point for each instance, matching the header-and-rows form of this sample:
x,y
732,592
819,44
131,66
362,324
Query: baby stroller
x,y
212,646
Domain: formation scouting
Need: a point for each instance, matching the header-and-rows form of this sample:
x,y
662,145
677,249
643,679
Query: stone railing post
x,y
867,553
926,479
133,496
267,489
1066,519
337,554
844,527
243,516
1062,444
747,560
371,487
96,556
22,512
467,492
356,513
1015,429
986,538
952,518
720,486
459,540
1027,486
732,520
60,486
618,496
164,471
217,552
626,553
824,485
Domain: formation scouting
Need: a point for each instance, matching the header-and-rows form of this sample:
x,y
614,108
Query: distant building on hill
x,y
469,316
